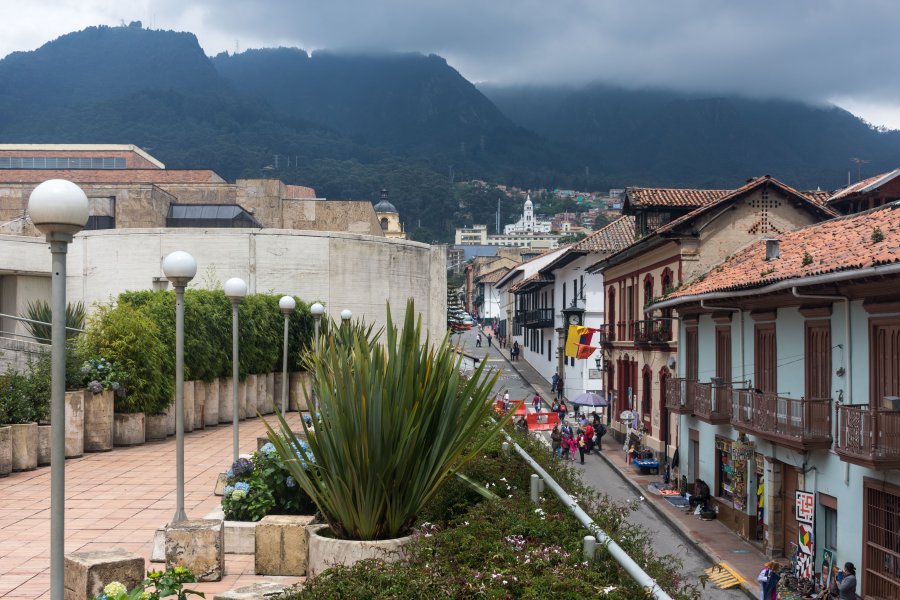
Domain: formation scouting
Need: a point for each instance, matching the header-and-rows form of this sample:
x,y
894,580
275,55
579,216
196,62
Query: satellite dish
x,y
671,364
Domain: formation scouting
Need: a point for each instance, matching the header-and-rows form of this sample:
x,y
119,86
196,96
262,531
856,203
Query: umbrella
x,y
590,399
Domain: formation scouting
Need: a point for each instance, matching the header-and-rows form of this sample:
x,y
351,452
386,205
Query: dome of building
x,y
383,205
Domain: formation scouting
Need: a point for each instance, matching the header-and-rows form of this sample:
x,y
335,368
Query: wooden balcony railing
x,y
800,424
680,395
712,403
605,334
868,436
539,318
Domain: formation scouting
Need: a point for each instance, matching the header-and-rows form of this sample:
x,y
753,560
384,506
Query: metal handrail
x,y
23,319
616,551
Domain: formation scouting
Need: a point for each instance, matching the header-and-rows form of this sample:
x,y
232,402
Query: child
x,y
573,445
581,445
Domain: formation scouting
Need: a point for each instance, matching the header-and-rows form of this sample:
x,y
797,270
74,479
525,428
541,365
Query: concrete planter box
x,y
98,421
326,552
156,427
5,450
170,418
24,446
199,404
188,406
226,400
74,423
281,545
271,399
243,387
128,429
261,399
296,397
276,392
44,433
211,406
252,385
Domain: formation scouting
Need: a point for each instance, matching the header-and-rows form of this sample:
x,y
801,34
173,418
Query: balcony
x,y
869,437
680,395
652,332
799,424
605,335
538,318
712,403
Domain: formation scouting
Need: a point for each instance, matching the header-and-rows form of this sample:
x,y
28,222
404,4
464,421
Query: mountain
x,y
655,137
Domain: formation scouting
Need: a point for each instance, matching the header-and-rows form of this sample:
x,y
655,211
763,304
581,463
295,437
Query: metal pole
x,y
179,405
58,248
313,386
234,381
284,373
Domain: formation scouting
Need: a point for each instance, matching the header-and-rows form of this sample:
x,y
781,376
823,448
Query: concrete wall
x,y
341,270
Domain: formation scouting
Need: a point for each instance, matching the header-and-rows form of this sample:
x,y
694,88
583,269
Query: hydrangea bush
x,y
261,485
99,374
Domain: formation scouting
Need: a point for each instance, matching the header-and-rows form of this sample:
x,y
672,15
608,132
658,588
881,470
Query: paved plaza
x,y
118,499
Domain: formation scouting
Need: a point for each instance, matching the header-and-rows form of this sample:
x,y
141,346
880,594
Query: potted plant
x,y
396,420
18,413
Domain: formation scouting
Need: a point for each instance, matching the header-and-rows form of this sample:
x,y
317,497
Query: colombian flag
x,y
578,341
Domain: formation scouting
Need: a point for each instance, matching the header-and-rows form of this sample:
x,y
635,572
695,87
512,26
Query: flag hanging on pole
x,y
579,335
585,351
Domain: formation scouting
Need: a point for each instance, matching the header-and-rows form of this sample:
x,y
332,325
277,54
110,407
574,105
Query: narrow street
x,y
603,478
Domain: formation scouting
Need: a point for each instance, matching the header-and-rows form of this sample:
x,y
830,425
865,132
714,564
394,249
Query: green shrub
x,y
15,405
261,325
131,340
394,426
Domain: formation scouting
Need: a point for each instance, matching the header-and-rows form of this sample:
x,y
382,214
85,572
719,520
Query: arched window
x,y
667,281
648,289
646,387
384,223
611,313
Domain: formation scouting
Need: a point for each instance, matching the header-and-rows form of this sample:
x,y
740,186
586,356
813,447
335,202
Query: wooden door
x,y
788,508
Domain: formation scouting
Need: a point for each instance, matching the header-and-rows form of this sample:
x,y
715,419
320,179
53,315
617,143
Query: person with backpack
x,y
556,441
581,445
563,410
600,431
768,581
588,438
554,381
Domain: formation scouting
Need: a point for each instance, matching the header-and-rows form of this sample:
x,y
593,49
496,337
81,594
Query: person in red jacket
x,y
588,438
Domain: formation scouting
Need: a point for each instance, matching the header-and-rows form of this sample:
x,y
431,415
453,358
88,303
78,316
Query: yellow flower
x,y
114,590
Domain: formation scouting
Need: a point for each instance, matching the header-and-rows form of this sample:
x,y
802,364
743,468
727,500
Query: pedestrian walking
x,y
554,381
506,400
600,430
515,350
489,340
556,441
581,444
559,388
588,438
536,402
478,340
768,581
573,446
563,410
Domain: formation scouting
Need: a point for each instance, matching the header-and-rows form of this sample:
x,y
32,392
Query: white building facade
x,y
527,223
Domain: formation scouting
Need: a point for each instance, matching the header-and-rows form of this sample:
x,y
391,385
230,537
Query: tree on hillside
x,y
455,313
572,238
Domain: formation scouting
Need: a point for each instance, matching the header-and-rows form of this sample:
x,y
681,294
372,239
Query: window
x,y
384,223
765,356
41,162
818,359
884,359
648,289
611,313
881,540
723,353
549,352
629,294
646,392
829,516
691,353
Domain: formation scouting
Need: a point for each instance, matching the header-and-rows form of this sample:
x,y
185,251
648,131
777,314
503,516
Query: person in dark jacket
x,y
845,587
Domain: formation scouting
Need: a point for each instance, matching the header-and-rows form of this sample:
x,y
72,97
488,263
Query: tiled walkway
x,y
117,499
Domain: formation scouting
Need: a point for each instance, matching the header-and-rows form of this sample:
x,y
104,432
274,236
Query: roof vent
x,y
772,249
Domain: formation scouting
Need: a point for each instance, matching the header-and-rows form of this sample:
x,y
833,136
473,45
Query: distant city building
x,y
389,218
477,235
528,224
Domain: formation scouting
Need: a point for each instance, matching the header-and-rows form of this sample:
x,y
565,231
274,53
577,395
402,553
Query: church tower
x,y
389,218
528,215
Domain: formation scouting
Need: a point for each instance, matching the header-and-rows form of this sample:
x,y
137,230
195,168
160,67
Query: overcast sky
x,y
842,51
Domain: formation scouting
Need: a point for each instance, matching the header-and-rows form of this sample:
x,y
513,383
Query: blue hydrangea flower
x,y
242,466
229,473
242,486
290,482
268,449
228,490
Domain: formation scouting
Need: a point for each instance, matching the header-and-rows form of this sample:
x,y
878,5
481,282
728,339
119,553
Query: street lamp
x,y
287,306
179,268
317,311
59,210
235,288
346,315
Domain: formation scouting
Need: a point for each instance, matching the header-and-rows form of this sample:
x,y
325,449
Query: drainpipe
x,y
741,316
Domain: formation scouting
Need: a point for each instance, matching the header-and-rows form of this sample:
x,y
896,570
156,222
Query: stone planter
x,y
211,406
128,429
326,552
156,427
98,421
24,446
276,392
296,396
5,450
75,424
269,405
261,398
199,404
242,399
188,406
252,386
226,400
170,418
44,433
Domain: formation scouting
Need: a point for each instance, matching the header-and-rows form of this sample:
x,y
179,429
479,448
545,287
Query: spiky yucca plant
x,y
395,422
41,311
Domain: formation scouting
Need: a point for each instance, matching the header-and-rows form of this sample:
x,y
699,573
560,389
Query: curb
x,y
678,527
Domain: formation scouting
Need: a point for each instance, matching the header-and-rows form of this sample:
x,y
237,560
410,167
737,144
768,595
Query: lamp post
x,y
235,288
287,306
179,268
346,315
317,311
59,210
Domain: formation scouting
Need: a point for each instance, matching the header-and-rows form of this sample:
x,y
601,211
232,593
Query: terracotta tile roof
x,y
492,277
818,196
608,239
749,186
866,185
840,244
135,176
683,198
536,280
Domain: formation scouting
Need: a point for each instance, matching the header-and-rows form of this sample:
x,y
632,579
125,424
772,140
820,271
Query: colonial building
x,y
788,391
680,234
389,218
527,223
868,193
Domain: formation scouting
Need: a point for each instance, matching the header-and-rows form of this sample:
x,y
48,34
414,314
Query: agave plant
x,y
395,421
41,312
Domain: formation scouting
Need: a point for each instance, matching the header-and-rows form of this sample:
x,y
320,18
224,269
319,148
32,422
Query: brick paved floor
x,y
117,499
